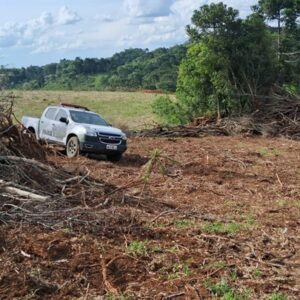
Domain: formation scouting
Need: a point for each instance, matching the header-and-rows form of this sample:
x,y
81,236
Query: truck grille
x,y
112,139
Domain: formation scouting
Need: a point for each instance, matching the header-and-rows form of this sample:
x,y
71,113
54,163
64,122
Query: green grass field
x,y
124,109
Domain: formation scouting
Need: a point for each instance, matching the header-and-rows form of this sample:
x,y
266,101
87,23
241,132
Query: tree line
x,y
227,67
131,69
232,64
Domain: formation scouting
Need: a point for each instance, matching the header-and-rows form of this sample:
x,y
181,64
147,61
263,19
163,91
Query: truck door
x,y
46,124
60,128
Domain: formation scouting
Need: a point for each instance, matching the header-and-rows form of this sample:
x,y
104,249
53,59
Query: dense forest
x,y
128,70
233,64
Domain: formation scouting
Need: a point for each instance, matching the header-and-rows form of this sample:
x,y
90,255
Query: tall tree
x,y
278,10
229,62
216,18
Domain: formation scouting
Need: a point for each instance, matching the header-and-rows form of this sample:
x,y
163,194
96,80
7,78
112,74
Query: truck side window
x,y
50,114
61,114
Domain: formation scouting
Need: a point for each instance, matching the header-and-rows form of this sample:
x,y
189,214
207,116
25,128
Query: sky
x,y
37,32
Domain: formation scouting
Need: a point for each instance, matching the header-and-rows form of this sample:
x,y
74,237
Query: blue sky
x,y
36,32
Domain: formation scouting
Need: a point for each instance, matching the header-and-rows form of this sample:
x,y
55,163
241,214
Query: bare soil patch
x,y
222,219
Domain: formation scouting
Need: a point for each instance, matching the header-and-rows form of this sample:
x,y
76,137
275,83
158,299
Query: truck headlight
x,y
124,137
91,133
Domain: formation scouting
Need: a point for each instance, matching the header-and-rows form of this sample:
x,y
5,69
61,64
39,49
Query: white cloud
x,y
166,25
147,9
40,34
164,28
105,18
106,28
67,16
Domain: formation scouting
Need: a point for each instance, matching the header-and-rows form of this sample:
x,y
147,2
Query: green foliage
x,y
286,14
215,18
131,69
231,62
292,88
137,248
220,288
257,273
203,86
278,296
223,290
179,270
264,151
230,228
184,224
288,203
169,110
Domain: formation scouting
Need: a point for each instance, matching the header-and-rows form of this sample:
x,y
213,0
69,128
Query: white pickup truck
x,y
79,130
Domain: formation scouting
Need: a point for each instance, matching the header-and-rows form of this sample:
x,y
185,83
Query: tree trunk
x,y
218,112
279,36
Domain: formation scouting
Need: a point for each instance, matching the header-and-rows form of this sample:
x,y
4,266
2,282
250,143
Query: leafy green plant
x,y
223,290
257,273
233,275
158,161
184,224
249,221
230,228
288,203
169,110
220,288
277,296
178,270
137,248
264,151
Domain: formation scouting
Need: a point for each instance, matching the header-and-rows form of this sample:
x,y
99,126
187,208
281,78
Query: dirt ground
x,y
216,217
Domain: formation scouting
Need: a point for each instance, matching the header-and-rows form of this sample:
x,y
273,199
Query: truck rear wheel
x,y
73,147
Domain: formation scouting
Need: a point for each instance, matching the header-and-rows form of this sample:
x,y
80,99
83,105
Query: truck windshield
x,y
87,118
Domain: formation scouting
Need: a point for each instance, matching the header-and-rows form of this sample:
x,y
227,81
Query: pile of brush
x,y
14,138
276,116
34,191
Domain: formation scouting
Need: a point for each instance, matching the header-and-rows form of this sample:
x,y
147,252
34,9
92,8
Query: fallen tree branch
x,y
22,193
28,161
107,284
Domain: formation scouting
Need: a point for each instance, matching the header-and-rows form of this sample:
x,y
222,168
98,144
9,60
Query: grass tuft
x,y
137,248
229,228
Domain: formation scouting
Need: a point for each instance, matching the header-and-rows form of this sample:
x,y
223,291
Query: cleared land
x,y
176,218
124,109
215,217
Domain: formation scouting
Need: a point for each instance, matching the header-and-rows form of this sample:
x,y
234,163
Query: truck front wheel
x,y
73,147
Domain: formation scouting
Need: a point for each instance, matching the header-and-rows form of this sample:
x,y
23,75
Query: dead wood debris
x,y
44,199
278,115
34,192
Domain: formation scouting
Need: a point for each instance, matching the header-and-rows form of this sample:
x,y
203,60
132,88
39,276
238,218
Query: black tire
x,y
73,147
30,129
114,157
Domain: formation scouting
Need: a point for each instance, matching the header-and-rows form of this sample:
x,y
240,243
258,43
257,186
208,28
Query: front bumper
x,y
94,145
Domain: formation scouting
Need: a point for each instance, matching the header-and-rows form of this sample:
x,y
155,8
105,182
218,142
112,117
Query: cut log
x,y
27,160
4,186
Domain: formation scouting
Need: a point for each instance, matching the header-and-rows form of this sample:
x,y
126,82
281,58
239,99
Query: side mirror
x,y
64,120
